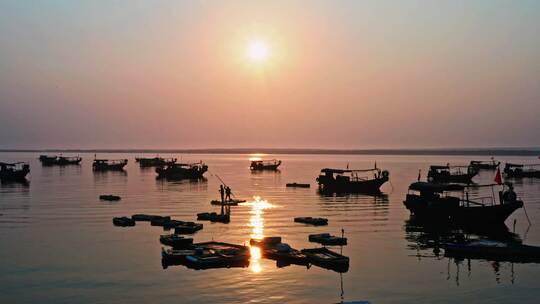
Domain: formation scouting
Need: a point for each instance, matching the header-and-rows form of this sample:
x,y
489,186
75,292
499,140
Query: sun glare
x,y
258,51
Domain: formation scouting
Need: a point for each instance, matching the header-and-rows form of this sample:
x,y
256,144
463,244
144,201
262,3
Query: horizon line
x,y
494,151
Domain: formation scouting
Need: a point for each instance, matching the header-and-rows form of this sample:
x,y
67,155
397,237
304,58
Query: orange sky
x,y
352,74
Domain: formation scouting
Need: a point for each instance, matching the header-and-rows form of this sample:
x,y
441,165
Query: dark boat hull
x,y
522,174
109,167
179,174
14,175
450,210
364,186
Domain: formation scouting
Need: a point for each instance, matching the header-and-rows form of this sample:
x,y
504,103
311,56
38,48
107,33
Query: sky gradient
x,y
341,74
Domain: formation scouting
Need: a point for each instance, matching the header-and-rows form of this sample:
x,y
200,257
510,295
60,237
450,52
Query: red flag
x,y
498,178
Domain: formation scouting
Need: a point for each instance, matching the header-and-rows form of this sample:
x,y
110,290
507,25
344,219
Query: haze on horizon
x,y
317,74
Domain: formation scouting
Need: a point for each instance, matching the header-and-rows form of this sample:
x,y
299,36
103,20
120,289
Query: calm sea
x,y
58,244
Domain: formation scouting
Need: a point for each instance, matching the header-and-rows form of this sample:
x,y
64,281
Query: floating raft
x,y
326,258
188,228
208,255
148,217
327,239
109,197
316,221
272,248
233,202
175,241
297,185
214,217
123,221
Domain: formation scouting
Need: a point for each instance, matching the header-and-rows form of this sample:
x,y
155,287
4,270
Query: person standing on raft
x,y
228,193
222,193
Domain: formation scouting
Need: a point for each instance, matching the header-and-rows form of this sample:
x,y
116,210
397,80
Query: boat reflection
x,y
256,223
428,242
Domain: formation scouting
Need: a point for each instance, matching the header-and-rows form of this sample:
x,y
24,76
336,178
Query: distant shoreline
x,y
448,151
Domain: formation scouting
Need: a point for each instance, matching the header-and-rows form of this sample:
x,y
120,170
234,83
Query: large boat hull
x,y
362,186
450,210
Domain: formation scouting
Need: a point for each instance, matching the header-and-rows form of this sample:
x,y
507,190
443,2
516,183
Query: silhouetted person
x,y
509,196
227,193
222,193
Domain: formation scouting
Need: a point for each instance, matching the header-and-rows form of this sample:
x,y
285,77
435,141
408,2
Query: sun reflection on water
x,y
256,222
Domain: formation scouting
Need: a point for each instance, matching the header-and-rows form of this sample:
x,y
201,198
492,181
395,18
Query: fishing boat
x,y
214,217
109,165
435,202
485,164
109,197
272,248
175,241
14,171
352,181
68,160
178,171
522,170
155,161
297,185
188,228
123,221
452,174
315,221
493,250
327,239
48,160
326,258
160,221
259,165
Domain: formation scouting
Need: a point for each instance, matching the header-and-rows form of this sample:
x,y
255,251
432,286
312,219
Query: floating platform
x,y
214,217
316,221
109,197
175,241
326,258
327,239
233,202
123,221
297,185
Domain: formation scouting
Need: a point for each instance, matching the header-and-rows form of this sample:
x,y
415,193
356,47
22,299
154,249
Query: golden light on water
x,y
256,222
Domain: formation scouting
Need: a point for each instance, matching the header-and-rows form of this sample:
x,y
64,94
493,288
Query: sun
x,y
258,51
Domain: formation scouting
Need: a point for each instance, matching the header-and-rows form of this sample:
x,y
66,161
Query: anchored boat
x,y
14,171
109,165
485,164
155,161
259,165
175,241
326,258
521,170
272,248
182,171
434,202
59,160
347,180
208,255
452,174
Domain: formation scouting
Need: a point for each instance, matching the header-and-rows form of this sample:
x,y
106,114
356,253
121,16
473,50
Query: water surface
x,y
58,244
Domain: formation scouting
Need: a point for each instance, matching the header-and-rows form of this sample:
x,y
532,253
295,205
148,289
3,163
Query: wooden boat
x,y
123,221
353,181
188,228
452,174
493,250
316,221
272,248
214,217
326,258
521,170
47,160
484,164
155,162
210,255
54,160
297,185
109,197
327,239
14,171
432,202
109,165
148,217
259,165
68,160
175,241
232,202
182,171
